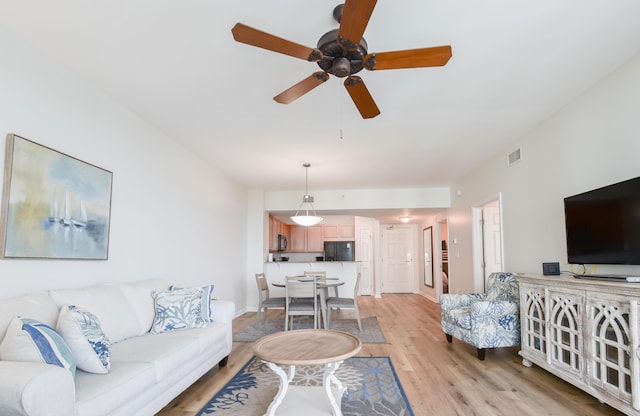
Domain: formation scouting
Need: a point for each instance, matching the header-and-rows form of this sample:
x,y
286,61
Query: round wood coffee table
x,y
307,347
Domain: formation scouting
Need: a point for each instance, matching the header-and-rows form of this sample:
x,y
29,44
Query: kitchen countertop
x,y
312,261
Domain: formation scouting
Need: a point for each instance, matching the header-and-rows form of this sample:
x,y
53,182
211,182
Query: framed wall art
x,y
54,206
427,243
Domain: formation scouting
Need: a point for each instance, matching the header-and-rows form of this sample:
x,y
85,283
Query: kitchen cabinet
x,y
338,232
314,239
586,332
277,227
306,239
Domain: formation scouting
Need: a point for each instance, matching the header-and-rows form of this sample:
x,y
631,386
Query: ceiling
x,y
176,65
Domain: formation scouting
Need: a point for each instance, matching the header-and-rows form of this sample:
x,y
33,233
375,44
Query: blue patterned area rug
x,y
371,332
372,386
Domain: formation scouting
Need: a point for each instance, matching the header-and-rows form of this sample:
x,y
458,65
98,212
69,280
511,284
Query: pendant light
x,y
307,201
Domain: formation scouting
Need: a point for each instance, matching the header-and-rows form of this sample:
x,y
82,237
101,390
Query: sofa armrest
x,y
450,301
222,310
36,389
494,309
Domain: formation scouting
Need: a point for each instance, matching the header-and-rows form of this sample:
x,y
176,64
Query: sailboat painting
x,y
54,206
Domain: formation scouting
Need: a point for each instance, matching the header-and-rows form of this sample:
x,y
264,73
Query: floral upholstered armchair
x,y
487,320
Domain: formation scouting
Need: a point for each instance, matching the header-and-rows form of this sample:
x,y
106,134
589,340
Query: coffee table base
x,y
311,400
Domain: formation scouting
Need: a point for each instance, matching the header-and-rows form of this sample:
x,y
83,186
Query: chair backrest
x,y
357,286
263,286
502,286
295,288
322,275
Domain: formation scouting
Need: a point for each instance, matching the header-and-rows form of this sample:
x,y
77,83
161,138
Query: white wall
x,y
593,142
172,216
361,199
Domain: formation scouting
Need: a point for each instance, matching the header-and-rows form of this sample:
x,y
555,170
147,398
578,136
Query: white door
x,y
492,241
397,260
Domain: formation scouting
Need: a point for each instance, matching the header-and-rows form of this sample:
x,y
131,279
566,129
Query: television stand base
x,y
615,277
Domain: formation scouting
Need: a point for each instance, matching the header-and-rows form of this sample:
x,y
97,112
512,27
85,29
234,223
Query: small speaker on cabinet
x,y
551,269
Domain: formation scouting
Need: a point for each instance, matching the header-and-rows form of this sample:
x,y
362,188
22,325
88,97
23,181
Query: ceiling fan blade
x,y
246,34
410,58
361,97
301,88
355,17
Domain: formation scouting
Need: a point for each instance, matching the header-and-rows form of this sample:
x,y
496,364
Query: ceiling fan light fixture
x,y
308,219
341,67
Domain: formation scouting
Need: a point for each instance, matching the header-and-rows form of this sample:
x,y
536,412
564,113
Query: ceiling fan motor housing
x,y
338,60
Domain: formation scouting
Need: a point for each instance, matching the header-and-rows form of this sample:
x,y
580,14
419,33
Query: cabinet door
x,y
314,239
532,307
566,351
298,239
285,230
330,231
609,365
338,232
346,231
273,234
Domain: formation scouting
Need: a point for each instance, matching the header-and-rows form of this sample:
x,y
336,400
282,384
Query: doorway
x,y
488,249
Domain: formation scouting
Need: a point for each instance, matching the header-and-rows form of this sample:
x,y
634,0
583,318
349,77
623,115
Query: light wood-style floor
x,y
438,378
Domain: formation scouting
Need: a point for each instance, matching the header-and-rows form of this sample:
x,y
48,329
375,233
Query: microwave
x,y
282,242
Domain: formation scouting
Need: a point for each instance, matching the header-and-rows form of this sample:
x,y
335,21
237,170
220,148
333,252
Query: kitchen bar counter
x,y
346,271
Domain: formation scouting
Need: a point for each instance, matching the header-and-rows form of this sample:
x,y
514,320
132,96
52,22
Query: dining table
x,y
322,286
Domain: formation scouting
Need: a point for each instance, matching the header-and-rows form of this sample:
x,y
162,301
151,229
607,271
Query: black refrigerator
x,y
339,251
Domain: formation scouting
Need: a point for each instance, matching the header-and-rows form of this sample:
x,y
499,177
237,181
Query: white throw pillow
x,y
83,334
178,309
30,340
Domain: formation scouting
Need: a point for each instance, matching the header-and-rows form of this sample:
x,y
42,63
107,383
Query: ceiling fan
x,y
343,52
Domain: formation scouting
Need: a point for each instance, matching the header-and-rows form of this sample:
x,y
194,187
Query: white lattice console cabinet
x,y
585,332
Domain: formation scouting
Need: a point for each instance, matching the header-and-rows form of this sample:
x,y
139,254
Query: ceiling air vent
x,y
514,157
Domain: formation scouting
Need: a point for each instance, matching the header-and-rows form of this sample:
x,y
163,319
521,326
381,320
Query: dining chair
x,y
345,303
301,299
265,302
323,278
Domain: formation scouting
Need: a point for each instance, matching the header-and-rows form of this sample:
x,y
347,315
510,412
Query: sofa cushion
x,y
108,303
82,331
165,351
140,296
210,338
103,394
30,340
37,305
179,309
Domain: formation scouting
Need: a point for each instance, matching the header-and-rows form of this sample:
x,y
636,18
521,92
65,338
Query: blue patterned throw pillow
x,y
33,341
82,331
205,301
178,309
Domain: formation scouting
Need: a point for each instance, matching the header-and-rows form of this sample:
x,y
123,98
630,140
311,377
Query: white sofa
x,y
147,370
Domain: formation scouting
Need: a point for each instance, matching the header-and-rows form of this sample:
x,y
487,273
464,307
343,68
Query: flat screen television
x,y
603,225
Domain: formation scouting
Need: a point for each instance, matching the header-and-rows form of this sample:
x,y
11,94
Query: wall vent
x,y
514,157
